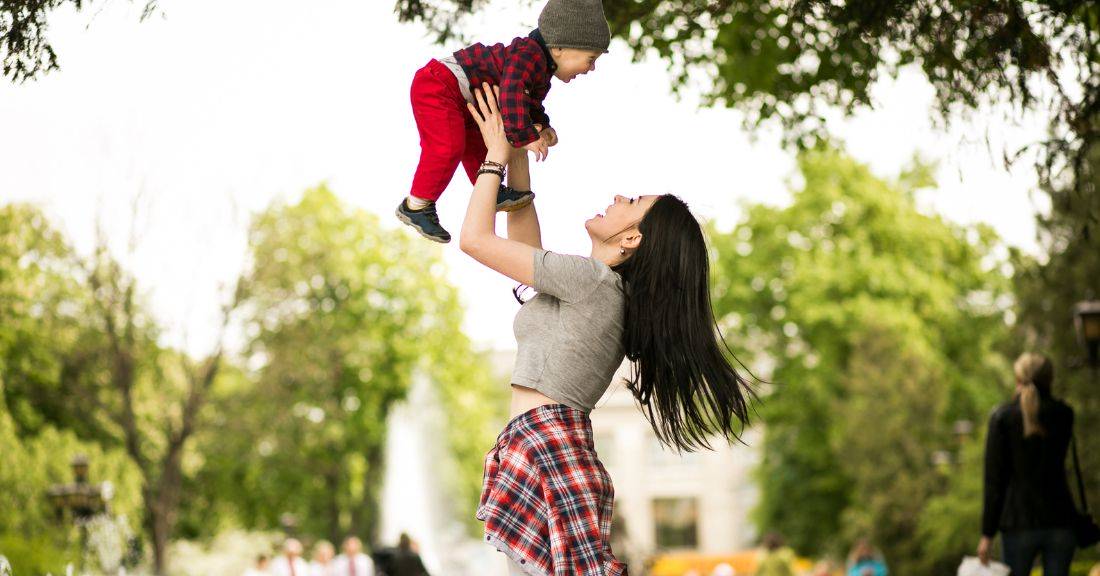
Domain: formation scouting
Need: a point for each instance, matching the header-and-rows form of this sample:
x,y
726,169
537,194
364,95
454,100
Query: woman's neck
x,y
604,253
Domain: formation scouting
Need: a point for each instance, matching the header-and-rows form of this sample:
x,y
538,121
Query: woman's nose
x,y
619,198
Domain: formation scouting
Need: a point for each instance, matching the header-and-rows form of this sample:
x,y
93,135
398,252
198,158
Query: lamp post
x,y
80,500
1086,321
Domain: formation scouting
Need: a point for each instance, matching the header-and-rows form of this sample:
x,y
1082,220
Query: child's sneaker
x,y
425,221
509,199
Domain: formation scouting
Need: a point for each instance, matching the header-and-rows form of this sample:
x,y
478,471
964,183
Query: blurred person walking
x,y
323,553
1027,497
778,560
260,567
866,561
290,562
352,562
405,561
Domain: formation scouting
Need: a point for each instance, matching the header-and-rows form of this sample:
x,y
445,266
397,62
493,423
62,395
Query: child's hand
x,y
539,148
549,135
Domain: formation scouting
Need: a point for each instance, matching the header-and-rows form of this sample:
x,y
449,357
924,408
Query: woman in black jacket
x,y
1027,497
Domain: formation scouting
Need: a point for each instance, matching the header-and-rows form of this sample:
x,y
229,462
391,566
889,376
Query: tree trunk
x,y
332,483
161,508
371,490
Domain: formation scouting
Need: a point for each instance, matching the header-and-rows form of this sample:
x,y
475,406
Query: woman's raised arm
x,y
479,239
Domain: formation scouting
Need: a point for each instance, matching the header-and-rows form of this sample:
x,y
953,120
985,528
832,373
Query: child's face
x,y
573,62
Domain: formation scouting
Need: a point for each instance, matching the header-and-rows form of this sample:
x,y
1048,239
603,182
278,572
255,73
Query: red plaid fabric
x,y
546,500
523,70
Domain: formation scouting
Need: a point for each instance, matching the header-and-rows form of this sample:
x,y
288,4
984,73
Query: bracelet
x,y
499,173
485,163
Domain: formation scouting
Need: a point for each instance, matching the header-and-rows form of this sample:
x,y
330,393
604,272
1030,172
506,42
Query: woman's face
x,y
622,215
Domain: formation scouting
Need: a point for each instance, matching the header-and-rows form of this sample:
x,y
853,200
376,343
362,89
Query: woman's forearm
x,y
523,224
480,217
519,170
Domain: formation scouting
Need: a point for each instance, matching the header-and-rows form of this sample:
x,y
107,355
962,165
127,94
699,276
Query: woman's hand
x,y
985,546
489,121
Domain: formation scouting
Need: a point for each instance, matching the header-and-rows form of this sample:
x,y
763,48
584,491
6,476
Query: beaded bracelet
x,y
499,173
491,163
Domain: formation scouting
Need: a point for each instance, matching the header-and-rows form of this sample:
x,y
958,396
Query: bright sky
x,y
216,109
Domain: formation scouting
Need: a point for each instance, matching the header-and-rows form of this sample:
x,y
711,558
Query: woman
x,y
865,561
546,500
1026,494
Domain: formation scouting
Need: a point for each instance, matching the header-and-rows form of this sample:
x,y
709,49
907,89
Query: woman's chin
x,y
594,226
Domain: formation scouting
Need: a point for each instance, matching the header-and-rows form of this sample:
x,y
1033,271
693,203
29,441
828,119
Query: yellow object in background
x,y
744,563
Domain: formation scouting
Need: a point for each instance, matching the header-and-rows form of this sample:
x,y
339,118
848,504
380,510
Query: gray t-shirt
x,y
570,334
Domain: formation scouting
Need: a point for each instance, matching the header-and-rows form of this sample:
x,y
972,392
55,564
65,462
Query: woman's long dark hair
x,y
682,374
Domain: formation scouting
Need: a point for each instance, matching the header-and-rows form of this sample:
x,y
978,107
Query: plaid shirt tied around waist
x,y
523,70
546,499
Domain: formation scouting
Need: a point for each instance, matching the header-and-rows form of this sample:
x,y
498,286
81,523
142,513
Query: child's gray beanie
x,y
575,24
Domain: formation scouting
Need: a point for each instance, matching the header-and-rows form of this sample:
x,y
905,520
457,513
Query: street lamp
x,y
80,500
1086,319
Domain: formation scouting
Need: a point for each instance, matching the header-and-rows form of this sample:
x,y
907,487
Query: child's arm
x,y
515,103
523,224
479,239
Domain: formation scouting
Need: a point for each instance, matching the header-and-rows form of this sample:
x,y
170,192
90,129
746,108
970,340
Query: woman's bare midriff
x,y
524,399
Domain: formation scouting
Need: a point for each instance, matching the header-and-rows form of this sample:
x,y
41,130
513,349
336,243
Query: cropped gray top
x,y
570,334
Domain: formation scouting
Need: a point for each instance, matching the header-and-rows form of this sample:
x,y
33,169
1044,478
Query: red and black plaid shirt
x,y
523,70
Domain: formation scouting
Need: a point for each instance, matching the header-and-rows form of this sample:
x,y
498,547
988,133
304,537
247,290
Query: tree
x,y
150,398
880,328
82,355
342,315
38,322
24,48
794,60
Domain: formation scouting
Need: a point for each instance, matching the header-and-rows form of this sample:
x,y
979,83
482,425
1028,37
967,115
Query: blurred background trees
x,y
339,315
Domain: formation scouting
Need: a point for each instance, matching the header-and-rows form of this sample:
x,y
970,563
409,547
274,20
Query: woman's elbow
x,y
470,244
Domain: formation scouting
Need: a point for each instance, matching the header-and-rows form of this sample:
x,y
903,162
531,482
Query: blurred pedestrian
x,y
352,562
260,567
290,562
323,553
405,560
778,560
823,568
1027,497
723,569
866,561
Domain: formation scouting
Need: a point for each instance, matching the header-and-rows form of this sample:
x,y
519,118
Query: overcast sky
x,y
212,110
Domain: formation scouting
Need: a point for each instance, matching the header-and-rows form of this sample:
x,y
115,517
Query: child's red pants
x,y
448,133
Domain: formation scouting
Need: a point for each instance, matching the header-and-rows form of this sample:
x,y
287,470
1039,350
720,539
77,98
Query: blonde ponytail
x,y
1029,405
1036,373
